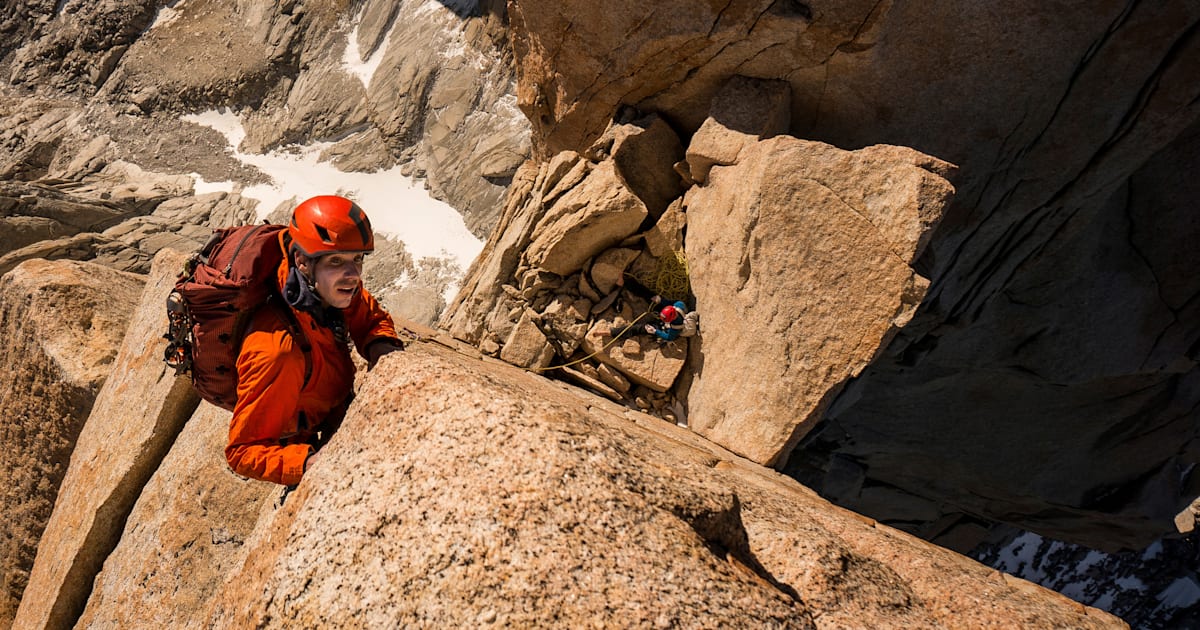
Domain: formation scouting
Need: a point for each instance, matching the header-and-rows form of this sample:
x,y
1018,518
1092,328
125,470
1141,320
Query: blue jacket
x,y
670,331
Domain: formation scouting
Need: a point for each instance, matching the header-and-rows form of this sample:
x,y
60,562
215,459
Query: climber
x,y
292,393
668,327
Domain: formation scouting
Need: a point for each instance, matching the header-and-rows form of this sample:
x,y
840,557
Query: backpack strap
x,y
298,336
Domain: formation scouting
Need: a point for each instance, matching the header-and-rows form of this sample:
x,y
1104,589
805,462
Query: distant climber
x,y
292,393
670,324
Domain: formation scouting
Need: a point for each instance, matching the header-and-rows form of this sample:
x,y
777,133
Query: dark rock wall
x,y
1053,367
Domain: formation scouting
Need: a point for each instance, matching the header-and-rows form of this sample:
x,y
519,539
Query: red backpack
x,y
221,287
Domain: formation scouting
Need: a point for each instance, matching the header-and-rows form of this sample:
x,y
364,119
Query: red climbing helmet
x,y
330,224
668,314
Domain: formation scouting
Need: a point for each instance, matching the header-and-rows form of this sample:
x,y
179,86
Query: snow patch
x,y
166,14
1153,550
1182,593
399,207
1018,555
352,59
202,187
1130,583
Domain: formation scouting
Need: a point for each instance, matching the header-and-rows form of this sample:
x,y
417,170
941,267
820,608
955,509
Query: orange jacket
x,y
276,416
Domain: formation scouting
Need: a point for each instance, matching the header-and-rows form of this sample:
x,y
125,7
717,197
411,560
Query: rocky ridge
x,y
442,108
590,238
1060,205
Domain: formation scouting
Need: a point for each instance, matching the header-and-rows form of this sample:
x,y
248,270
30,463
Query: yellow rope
x,y
602,349
670,280
673,281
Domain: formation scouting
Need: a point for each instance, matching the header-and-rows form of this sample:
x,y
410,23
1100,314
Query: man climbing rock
x,y
292,392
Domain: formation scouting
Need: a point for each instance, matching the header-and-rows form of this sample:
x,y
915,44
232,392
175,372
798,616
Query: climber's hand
x,y
380,348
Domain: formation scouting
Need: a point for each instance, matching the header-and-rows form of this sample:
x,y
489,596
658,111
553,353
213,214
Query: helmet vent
x,y
324,234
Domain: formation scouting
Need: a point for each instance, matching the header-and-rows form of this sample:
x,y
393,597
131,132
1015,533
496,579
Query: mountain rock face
x,y
440,102
420,511
559,262
60,322
942,256
786,222
1067,227
426,86
184,537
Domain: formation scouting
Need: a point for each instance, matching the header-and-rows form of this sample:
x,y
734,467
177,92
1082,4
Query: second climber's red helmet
x,y
330,224
668,314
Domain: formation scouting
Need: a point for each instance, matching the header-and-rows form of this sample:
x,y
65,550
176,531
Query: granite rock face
x,y
132,425
427,86
797,255
185,535
61,322
612,518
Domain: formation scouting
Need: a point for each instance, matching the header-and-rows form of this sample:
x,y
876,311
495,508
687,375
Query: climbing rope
x,y
602,349
670,280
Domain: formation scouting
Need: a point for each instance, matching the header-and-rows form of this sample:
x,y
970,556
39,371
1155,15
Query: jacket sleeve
x,y
270,377
368,322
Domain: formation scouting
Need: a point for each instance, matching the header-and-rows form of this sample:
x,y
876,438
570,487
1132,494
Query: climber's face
x,y
337,277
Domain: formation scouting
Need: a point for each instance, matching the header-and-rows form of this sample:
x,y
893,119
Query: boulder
x,y
643,150
797,285
594,215
185,536
666,237
439,522
608,269
527,345
639,357
62,322
137,415
744,111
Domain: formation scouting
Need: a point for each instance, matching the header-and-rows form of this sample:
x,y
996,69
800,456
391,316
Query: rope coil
x,y
670,280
